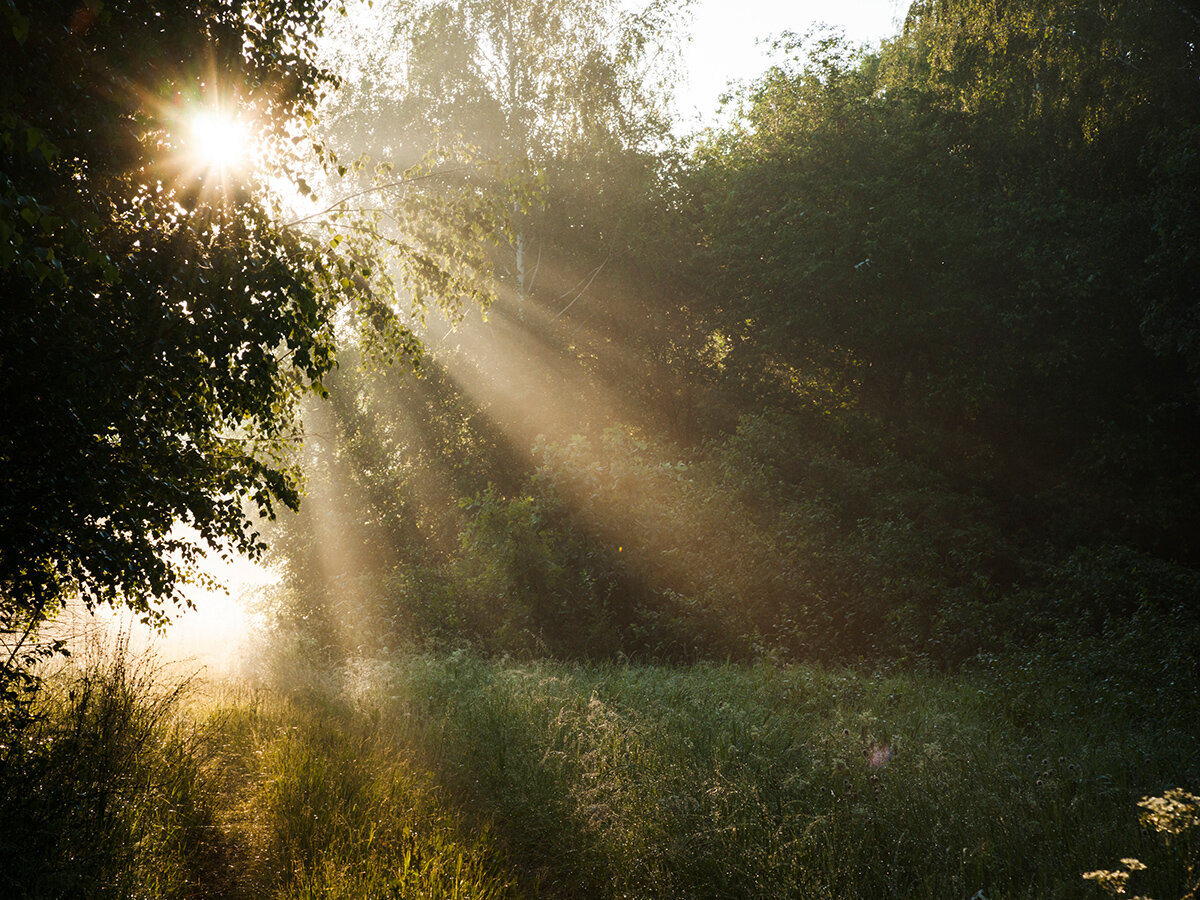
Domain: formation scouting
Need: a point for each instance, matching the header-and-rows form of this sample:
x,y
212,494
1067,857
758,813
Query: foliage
x,y
516,105
555,171
869,216
813,535
157,320
522,81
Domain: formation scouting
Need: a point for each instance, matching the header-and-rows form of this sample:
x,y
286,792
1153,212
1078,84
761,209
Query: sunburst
x,y
219,141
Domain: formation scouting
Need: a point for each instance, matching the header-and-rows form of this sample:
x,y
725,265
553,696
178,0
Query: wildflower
x,y
1111,880
1173,813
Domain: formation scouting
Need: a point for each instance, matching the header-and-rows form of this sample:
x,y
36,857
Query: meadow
x,y
456,776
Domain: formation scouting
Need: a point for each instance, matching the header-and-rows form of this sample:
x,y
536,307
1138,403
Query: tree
x,y
514,92
975,241
156,320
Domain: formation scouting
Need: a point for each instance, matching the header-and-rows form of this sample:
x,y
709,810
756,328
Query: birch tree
x,y
513,86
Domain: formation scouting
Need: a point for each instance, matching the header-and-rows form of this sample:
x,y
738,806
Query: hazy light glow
x,y
211,637
219,625
219,141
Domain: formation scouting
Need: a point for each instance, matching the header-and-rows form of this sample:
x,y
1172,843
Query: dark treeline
x,y
904,362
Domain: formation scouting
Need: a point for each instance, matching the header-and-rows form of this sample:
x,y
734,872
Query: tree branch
x,y
402,182
589,279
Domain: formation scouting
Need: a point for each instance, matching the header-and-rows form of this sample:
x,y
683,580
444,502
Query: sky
x,y
725,36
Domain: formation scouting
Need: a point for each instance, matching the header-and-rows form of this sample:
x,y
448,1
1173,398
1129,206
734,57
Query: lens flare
x,y
219,141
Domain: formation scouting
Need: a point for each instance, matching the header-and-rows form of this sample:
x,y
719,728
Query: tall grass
x,y
102,792
458,777
128,783
329,806
769,781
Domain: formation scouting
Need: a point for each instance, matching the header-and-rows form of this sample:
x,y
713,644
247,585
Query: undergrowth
x,y
123,781
103,790
453,776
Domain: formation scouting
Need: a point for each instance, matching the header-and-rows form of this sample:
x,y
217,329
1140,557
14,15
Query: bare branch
x,y
402,182
589,279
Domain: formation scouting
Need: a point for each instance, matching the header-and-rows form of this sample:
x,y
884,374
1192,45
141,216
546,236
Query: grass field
x,y
454,776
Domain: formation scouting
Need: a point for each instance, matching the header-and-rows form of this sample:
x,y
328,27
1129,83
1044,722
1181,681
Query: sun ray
x,y
522,373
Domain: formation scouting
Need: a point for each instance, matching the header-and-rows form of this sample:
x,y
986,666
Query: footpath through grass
x,y
452,776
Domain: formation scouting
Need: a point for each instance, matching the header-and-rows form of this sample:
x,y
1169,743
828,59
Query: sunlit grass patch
x,y
128,782
329,805
103,792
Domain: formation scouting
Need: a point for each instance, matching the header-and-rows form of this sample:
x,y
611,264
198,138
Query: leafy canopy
x,y
156,320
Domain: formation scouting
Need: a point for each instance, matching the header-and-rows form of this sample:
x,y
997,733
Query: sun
x,y
219,141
